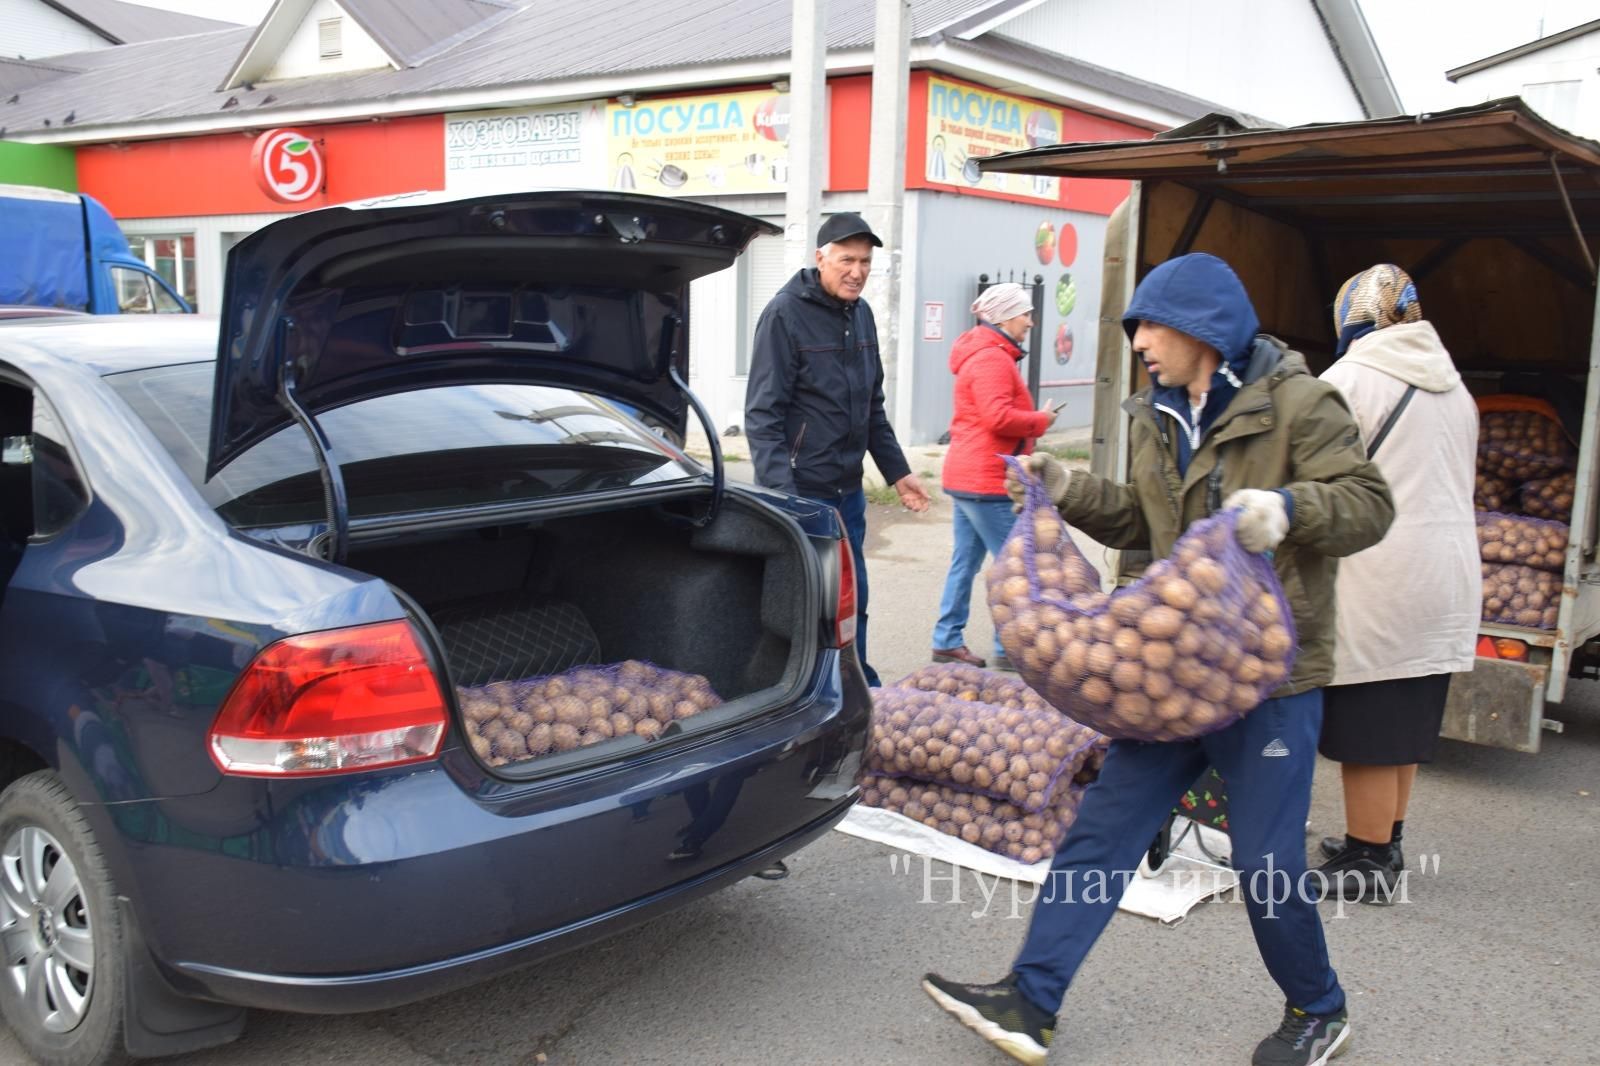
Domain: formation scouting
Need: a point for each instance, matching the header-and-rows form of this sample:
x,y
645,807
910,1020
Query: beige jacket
x,y
1409,606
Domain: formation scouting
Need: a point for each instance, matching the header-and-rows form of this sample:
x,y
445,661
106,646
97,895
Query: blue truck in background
x,y
64,250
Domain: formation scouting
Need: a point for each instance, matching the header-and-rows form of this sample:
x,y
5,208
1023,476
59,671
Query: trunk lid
x,y
586,290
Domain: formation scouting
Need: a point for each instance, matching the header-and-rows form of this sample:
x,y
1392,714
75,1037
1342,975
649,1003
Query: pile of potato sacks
x,y
1523,495
1196,643
979,756
512,721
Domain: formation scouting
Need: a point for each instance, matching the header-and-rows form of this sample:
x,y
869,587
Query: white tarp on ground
x,y
1186,878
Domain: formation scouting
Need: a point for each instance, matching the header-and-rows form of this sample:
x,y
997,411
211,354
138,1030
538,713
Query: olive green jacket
x,y
1284,430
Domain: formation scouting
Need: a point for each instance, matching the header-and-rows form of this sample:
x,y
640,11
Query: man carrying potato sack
x,y
1232,419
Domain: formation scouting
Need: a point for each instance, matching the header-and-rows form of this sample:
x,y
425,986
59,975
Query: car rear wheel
x,y
61,977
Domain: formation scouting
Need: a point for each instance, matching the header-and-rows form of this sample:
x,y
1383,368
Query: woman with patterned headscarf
x,y
1408,607
994,416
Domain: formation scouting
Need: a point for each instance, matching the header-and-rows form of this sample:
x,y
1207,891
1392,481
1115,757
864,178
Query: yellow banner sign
x,y
711,145
966,123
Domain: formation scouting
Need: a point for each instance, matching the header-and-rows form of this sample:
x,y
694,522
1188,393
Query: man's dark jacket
x,y
814,405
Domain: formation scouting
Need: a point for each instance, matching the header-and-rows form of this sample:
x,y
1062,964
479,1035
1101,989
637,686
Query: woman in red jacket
x,y
994,416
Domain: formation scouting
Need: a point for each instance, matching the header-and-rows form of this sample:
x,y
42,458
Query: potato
x,y
1161,623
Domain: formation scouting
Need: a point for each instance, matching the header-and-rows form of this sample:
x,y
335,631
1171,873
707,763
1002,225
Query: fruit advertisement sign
x,y
710,145
966,123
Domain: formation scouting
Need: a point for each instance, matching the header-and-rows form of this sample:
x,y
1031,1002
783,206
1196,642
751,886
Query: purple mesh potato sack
x,y
1192,646
1000,827
1549,497
1522,541
1016,754
1522,445
511,721
1520,595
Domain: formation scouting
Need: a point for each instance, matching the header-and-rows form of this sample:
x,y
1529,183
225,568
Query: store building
x,y
333,101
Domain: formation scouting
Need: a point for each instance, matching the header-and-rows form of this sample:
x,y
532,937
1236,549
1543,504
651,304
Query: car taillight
x,y
844,620
339,700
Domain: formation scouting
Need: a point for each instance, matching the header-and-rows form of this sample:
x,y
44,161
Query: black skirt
x,y
1384,723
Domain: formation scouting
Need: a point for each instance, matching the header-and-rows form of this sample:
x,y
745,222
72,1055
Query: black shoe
x,y
1002,664
1304,1039
998,1013
1359,873
1331,846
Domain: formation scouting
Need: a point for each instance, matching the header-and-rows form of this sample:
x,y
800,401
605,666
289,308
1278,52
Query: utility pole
x,y
886,180
808,114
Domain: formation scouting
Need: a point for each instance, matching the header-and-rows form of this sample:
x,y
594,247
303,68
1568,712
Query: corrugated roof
x,y
549,41
1104,79
18,74
413,30
132,23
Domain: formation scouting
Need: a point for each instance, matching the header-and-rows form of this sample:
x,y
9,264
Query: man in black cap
x,y
814,405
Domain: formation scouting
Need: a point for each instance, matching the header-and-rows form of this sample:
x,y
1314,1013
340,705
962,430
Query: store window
x,y
171,256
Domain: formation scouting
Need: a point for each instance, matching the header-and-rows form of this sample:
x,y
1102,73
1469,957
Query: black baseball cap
x,y
843,226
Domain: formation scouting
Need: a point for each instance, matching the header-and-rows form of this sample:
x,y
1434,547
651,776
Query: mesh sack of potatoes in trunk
x,y
1524,541
1026,756
1520,595
1195,644
510,721
1549,497
998,826
1492,493
1522,445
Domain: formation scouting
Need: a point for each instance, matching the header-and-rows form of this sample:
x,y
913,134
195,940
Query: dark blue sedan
x,y
252,571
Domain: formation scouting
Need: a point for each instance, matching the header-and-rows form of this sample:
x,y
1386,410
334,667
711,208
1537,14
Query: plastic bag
x,y
1520,595
1024,755
997,826
1191,647
1549,497
974,683
1523,541
510,721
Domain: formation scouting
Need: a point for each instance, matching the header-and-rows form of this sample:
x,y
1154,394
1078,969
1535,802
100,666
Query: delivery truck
x,y
1493,211
63,250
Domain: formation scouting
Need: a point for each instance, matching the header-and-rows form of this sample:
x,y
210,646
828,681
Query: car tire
x,y
57,912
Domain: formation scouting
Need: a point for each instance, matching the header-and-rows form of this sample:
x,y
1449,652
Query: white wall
x,y
31,29
1271,59
1574,106
302,56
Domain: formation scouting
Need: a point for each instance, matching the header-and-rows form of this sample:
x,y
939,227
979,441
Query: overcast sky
x,y
1420,39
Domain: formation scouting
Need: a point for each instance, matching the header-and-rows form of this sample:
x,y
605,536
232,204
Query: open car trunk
x,y
732,602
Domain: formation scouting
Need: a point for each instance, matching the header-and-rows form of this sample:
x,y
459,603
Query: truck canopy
x,y
1483,202
43,258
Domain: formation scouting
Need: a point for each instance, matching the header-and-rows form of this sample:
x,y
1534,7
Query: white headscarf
x,y
1000,302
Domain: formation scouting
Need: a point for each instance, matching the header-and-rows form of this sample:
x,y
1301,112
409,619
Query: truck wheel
x,y
61,965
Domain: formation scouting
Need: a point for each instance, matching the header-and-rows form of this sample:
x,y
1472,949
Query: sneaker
x,y
1304,1039
957,654
999,1013
1002,664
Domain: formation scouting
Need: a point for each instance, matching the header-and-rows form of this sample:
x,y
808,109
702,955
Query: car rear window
x,y
431,449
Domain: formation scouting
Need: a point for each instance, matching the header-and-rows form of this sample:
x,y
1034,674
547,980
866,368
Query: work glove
x,y
1046,469
1263,519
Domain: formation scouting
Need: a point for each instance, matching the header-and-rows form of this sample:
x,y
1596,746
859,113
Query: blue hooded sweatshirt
x,y
1200,295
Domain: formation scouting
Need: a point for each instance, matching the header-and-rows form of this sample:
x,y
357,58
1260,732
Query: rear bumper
x,y
379,889
393,988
